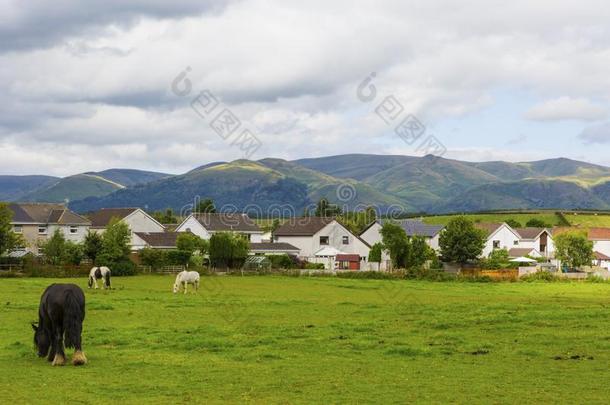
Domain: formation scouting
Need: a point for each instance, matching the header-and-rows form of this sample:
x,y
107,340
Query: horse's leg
x,y
185,286
51,355
60,356
78,358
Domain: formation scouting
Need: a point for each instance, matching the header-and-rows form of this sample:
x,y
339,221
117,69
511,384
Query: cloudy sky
x,y
92,87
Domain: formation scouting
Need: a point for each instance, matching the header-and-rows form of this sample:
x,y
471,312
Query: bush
x,y
540,276
124,268
281,262
370,275
314,266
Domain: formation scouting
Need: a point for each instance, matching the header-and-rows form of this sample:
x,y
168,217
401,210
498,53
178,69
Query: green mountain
x,y
242,185
90,184
525,194
417,184
13,188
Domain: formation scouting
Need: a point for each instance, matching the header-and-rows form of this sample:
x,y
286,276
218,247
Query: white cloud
x,y
567,108
97,81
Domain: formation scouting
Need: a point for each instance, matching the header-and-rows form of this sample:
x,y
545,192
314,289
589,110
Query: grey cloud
x,y
596,134
42,23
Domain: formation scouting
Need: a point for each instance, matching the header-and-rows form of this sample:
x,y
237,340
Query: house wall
x,y
78,237
434,242
535,244
602,246
373,234
196,228
309,245
139,221
33,239
506,237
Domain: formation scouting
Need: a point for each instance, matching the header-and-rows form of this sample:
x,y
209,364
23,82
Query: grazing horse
x,y
60,320
98,273
185,278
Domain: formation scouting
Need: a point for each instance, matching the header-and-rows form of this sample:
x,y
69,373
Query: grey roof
x,y
303,226
419,228
102,218
277,246
227,222
43,213
159,239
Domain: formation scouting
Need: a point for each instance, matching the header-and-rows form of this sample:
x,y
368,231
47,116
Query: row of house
x,y
315,239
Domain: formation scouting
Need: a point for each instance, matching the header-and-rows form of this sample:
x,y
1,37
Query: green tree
x,y
498,259
191,243
154,258
326,209
419,252
574,249
116,248
395,240
92,246
461,242
73,253
206,207
53,249
375,253
228,250
9,240
537,223
513,223
166,217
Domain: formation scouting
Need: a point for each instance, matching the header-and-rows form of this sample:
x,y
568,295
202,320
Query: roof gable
x,y
303,226
102,218
44,213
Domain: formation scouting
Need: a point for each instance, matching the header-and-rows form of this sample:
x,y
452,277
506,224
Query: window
x,y
18,229
73,230
346,240
516,243
496,244
323,240
42,230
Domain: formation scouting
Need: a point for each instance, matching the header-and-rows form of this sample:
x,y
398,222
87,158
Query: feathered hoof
x,y
59,360
79,359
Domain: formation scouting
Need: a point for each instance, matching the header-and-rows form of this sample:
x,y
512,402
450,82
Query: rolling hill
x,y
13,188
417,184
81,186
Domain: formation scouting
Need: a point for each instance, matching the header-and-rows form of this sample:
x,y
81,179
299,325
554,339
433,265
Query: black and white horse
x,y
60,321
98,273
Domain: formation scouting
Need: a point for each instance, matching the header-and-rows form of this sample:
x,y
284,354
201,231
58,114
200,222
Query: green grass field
x,y
318,340
589,220
547,217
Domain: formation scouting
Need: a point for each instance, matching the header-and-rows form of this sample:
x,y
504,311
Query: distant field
x,y
548,217
586,220
318,340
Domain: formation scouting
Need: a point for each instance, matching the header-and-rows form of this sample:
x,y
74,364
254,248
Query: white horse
x,y
185,278
98,273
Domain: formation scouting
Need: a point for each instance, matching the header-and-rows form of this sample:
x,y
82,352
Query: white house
x,y
37,222
137,220
431,233
539,239
205,225
322,240
601,240
499,236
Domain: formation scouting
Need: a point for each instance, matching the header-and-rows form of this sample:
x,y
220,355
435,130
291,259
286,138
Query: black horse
x,y
60,319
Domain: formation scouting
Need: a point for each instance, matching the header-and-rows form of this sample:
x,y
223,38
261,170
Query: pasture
x,y
317,340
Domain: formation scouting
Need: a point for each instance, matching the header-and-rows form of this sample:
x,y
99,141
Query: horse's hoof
x,y
79,359
59,360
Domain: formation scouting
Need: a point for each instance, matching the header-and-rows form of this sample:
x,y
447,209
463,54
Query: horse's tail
x,y
73,320
107,279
